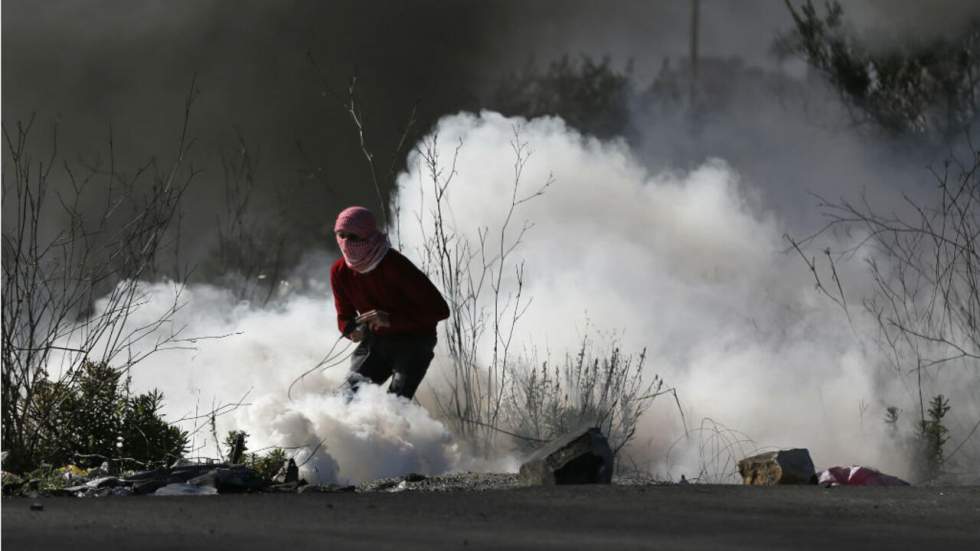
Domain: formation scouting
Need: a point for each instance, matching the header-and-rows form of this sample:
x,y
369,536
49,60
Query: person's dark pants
x,y
404,358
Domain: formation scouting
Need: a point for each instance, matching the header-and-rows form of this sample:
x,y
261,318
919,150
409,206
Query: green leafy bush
x,y
90,417
917,87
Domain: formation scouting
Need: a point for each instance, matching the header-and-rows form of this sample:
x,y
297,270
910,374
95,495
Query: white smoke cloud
x,y
686,264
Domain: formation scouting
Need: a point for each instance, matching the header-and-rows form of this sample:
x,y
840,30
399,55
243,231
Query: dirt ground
x,y
594,517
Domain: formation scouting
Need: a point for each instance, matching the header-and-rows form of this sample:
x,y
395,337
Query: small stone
x,y
779,467
581,456
233,479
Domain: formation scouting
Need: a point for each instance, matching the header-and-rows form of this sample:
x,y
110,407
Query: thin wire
x,y
498,429
328,358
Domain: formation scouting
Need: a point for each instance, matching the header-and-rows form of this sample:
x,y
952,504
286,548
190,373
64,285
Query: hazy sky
x,y
86,65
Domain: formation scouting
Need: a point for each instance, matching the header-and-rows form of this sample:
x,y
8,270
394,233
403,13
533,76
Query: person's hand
x,y
375,319
356,335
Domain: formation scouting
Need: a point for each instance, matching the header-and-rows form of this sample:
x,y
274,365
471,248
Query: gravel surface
x,y
455,482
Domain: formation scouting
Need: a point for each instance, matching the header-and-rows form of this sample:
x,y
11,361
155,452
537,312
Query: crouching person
x,y
385,304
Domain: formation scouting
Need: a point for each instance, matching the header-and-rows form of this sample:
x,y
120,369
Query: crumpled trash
x,y
856,475
182,489
103,482
71,472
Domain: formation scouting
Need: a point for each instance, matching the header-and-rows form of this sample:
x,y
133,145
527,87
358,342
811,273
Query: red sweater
x,y
396,286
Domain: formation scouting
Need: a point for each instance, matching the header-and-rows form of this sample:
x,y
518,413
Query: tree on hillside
x,y
928,88
590,95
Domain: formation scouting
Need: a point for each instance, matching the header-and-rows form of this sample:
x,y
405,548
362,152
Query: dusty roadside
x,y
626,517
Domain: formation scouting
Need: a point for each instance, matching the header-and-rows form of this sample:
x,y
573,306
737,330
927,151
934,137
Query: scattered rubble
x,y
779,467
452,482
581,456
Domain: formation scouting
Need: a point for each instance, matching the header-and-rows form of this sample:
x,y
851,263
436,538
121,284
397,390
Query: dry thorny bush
x,y
597,386
924,266
73,274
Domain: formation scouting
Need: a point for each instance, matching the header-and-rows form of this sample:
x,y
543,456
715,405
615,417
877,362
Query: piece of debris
x,y
233,479
73,490
582,456
183,489
148,475
282,488
10,482
779,467
37,507
856,475
292,471
103,482
148,486
185,472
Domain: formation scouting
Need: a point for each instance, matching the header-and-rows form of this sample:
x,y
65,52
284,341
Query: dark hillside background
x,y
86,67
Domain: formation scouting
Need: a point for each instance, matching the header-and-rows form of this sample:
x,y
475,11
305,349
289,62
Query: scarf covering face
x,y
362,255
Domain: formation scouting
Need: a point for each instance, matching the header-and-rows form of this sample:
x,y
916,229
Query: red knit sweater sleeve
x,y
428,306
345,308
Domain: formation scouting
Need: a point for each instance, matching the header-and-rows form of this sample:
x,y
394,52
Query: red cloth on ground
x,y
856,475
395,286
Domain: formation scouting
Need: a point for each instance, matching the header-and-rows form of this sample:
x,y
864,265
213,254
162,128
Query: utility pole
x,y
695,23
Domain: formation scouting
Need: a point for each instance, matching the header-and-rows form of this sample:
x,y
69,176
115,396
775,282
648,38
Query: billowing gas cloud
x,y
690,265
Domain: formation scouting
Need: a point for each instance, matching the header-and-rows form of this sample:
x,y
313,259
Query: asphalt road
x,y
580,517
